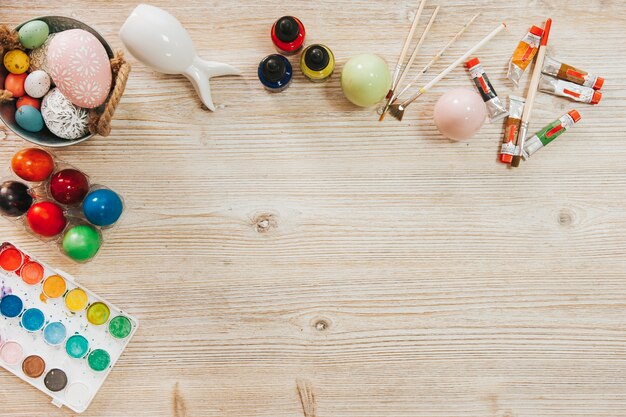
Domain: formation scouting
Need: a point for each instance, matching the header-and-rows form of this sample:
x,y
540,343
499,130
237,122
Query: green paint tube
x,y
549,133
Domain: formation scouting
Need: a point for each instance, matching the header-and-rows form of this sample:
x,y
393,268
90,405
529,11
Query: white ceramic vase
x,y
158,39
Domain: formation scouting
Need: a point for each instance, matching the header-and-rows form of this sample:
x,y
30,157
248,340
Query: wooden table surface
x,y
394,273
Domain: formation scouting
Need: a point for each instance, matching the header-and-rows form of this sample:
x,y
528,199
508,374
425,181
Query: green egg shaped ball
x,y
365,79
81,242
33,34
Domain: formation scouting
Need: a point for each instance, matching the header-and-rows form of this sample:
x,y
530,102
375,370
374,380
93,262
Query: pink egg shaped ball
x,y
459,114
80,67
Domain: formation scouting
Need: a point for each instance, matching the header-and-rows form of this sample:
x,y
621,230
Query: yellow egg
x,y
16,61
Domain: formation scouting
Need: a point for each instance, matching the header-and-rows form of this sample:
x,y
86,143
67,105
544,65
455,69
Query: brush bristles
x,y
397,111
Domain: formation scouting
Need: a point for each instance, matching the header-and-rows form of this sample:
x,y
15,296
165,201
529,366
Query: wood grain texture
x,y
293,237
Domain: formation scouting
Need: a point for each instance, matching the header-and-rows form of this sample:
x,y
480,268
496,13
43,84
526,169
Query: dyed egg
x,y
14,83
15,199
37,84
102,207
46,218
459,114
28,101
39,56
81,242
69,186
32,164
29,118
80,67
33,34
16,61
365,79
62,118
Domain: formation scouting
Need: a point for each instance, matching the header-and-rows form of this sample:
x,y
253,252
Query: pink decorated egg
x,y
79,67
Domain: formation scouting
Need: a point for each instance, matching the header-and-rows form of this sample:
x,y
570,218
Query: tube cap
x,y
574,115
599,83
287,29
316,57
597,96
273,68
506,158
472,63
536,30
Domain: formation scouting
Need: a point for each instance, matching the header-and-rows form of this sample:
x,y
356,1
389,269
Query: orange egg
x,y
15,84
27,100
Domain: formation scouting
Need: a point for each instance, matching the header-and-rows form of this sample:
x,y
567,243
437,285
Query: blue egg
x,y
29,118
54,333
33,319
11,305
102,207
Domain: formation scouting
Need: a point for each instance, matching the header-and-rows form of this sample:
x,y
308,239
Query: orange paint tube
x,y
524,54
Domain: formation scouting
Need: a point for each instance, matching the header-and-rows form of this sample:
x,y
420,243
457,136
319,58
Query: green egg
x,y
33,34
365,79
81,242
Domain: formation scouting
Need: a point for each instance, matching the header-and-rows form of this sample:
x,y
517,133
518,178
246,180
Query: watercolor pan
x,y
64,346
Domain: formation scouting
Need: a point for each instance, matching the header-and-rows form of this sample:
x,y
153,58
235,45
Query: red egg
x,y
15,84
32,164
46,218
69,186
27,100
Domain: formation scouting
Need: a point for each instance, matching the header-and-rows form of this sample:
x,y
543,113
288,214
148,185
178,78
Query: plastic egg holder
x,y
47,138
74,215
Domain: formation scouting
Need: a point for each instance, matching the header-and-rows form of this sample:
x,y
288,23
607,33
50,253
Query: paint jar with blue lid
x,y
275,73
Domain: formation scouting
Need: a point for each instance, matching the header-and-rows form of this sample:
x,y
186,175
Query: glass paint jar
x,y
317,62
275,73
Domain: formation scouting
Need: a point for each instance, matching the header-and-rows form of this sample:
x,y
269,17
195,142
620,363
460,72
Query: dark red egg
x,y
46,218
69,186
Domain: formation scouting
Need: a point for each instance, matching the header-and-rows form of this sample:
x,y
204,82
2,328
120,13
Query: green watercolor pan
x,y
55,334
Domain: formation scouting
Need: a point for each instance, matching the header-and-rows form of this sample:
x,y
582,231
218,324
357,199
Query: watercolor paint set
x,y
58,203
55,334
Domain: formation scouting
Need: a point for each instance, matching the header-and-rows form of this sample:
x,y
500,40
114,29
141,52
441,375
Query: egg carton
x,y
74,221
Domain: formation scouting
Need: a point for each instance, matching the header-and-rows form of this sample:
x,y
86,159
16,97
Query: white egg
x,y
37,84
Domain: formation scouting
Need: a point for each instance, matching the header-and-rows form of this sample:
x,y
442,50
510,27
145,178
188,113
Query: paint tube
x,y
568,73
524,54
495,107
513,122
572,91
549,133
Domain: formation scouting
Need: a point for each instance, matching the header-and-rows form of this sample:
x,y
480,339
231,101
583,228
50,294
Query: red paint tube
x,y
572,91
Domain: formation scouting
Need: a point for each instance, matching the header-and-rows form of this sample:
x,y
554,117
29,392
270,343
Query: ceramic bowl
x,y
7,110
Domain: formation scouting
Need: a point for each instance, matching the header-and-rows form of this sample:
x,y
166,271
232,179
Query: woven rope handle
x,y
100,123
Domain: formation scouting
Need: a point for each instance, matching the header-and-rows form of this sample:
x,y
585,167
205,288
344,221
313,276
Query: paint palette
x,y
57,202
55,334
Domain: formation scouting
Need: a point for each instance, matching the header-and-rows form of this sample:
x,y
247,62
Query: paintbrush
x,y
530,96
436,57
397,110
409,64
405,48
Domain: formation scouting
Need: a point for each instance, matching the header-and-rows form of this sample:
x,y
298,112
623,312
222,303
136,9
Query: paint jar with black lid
x,y
288,35
275,73
317,62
